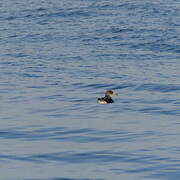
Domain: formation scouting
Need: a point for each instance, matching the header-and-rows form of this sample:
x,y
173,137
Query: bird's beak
x,y
115,94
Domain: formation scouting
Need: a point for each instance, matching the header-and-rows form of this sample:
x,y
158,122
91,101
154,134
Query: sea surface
x,y
57,57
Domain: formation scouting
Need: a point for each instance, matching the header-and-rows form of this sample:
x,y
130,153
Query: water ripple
x,y
57,58
61,178
158,87
79,135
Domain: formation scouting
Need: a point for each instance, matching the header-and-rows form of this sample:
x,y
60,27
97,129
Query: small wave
x,y
160,110
158,87
96,85
59,178
97,157
73,14
75,135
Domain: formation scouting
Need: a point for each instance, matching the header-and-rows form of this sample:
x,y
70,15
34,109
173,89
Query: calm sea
x,y
57,57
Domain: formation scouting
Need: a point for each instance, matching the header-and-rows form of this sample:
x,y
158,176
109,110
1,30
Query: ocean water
x,y
57,58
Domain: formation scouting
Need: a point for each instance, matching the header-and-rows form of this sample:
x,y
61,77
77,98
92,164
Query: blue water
x,y
57,57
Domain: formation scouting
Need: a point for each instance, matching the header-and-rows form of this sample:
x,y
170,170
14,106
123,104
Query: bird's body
x,y
107,98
